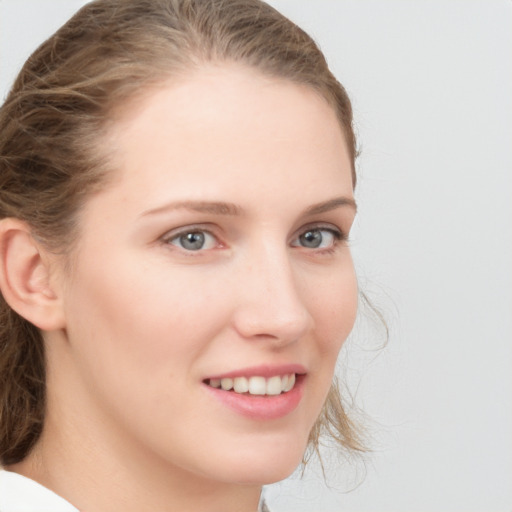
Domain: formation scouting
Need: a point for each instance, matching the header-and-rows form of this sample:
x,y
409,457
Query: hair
x,y
51,159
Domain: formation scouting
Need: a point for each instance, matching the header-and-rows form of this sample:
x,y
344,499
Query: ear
x,y
25,277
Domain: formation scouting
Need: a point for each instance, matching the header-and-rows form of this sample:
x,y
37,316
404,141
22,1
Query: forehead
x,y
224,124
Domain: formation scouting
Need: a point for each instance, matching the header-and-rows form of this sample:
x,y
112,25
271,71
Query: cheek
x,y
145,316
334,309
125,326
135,340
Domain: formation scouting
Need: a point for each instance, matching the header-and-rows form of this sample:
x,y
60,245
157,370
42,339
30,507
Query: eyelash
x,y
338,237
169,238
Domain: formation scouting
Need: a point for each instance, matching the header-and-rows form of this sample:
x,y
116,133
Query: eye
x,y
193,240
318,238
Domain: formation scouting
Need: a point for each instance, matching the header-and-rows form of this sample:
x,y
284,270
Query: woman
x,y
176,194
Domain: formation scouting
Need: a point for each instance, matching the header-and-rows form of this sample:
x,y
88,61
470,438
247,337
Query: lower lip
x,y
261,407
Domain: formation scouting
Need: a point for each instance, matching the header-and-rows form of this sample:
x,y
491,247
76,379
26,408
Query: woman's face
x,y
216,257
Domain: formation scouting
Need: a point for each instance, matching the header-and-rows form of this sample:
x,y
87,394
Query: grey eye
x,y
193,240
311,239
317,238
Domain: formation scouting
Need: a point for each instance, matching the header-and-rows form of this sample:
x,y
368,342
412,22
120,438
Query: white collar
x,y
21,494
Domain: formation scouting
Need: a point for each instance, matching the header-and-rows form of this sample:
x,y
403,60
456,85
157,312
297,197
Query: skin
x,y
130,425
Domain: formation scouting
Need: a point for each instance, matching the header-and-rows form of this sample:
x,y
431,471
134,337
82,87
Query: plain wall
x,y
431,83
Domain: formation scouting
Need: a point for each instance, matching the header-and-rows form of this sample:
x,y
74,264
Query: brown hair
x,y
50,157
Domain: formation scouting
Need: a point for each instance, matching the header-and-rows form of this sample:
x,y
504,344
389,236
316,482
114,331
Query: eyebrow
x,y
211,207
332,204
232,209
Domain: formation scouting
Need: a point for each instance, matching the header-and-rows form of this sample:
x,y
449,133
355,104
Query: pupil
x,y
192,241
311,239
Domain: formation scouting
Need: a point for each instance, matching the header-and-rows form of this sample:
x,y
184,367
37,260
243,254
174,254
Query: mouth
x,y
260,393
256,385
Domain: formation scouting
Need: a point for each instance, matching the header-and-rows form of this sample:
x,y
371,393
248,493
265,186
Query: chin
x,y
271,472
261,465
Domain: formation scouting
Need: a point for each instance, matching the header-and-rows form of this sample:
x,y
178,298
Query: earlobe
x,y
25,277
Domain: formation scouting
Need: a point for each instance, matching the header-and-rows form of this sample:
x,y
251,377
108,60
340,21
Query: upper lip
x,y
266,371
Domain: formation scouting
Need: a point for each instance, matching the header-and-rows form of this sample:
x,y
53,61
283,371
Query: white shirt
x,y
21,494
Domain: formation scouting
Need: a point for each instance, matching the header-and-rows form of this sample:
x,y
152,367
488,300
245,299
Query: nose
x,y
270,303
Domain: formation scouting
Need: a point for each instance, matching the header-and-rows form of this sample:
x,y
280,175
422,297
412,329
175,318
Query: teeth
x,y
290,383
241,385
215,383
256,385
226,384
274,386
